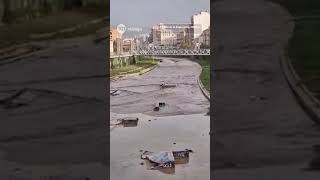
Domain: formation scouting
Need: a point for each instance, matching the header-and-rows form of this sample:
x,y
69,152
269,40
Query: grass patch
x,y
142,62
304,51
304,46
204,61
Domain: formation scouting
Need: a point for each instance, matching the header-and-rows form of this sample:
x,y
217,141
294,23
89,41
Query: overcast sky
x,y
146,13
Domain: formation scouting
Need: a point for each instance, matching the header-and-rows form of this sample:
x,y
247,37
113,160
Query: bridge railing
x,y
173,52
163,52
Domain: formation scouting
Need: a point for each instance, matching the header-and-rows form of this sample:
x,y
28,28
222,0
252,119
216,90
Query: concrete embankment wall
x,y
116,62
11,10
121,61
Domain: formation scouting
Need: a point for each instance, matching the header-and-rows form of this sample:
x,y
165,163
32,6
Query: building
x,y
115,41
201,22
204,38
185,38
140,41
150,37
128,45
163,36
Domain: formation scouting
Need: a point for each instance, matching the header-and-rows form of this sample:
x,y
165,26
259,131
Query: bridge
x,y
160,52
172,52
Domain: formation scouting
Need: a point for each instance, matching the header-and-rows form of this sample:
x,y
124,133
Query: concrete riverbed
x,y
181,124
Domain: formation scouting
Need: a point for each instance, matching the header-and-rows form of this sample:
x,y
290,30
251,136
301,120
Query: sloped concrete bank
x,y
258,121
304,96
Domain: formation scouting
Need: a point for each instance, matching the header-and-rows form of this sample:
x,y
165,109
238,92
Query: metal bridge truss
x,y
173,52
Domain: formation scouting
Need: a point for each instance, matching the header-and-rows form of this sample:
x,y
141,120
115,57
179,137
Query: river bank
x,y
39,29
303,47
258,121
136,65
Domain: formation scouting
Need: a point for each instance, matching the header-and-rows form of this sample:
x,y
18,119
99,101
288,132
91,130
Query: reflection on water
x,y
15,10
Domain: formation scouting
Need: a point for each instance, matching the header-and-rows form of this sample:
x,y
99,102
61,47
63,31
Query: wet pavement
x,y
51,110
181,124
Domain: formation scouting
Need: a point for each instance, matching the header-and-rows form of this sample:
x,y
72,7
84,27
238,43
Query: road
x,y
57,131
258,122
181,124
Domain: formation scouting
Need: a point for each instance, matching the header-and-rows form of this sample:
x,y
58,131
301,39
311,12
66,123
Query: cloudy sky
x,y
146,13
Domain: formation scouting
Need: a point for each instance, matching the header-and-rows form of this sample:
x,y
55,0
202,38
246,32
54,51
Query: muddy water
x,y
140,94
181,124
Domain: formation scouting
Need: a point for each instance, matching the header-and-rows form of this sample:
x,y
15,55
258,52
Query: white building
x,y
204,39
201,22
163,36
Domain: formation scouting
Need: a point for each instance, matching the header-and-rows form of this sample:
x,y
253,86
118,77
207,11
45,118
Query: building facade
x,y
185,38
115,41
204,38
163,36
201,22
128,46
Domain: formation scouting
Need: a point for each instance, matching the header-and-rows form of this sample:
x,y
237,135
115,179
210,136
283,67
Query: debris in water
x,y
115,93
163,86
17,169
158,105
128,122
163,159
254,98
161,104
262,98
166,159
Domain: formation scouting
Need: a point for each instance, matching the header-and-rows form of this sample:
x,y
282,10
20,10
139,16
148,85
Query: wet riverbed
x,y
181,124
